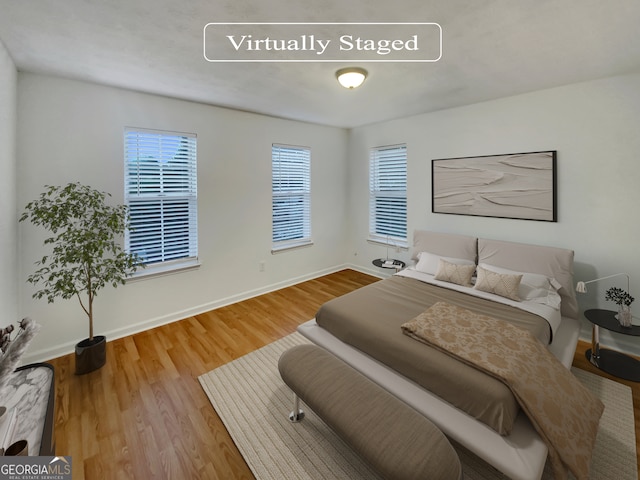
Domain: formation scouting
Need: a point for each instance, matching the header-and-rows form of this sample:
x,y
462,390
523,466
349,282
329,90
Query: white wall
x,y
594,128
8,227
73,131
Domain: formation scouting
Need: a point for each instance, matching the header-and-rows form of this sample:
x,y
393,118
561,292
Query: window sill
x,y
290,246
393,244
162,269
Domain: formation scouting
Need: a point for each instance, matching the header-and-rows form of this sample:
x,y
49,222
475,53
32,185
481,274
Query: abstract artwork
x,y
519,185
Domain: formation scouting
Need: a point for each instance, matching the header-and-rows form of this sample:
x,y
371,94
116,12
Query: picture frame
x,y
517,186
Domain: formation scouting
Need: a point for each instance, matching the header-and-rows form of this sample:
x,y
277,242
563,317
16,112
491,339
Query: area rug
x,y
253,403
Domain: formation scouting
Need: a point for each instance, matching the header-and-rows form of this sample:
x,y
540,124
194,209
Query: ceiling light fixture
x,y
351,77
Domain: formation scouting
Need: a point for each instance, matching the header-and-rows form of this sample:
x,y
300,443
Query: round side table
x,y
389,263
615,363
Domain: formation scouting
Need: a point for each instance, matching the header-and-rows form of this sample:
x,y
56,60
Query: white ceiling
x,y
491,49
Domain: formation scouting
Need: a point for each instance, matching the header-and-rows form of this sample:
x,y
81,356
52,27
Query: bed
x,y
477,411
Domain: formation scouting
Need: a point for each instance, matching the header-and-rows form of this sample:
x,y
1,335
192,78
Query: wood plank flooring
x,y
144,414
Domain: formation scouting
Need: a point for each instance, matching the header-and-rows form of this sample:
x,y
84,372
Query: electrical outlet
x,y
261,266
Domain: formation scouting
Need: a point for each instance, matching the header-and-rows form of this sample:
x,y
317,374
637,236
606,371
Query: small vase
x,y
624,315
19,449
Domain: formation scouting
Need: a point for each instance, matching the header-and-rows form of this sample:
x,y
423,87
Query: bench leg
x,y
297,414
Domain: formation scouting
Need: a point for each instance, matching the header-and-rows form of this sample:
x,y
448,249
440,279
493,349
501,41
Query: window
x,y
161,193
291,196
388,195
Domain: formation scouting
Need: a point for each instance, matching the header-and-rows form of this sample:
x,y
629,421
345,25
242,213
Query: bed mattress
x,y
369,319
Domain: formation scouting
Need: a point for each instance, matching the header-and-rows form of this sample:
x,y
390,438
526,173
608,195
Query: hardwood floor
x,y
144,414
580,361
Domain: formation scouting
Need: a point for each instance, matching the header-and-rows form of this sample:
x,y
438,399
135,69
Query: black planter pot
x,y
91,354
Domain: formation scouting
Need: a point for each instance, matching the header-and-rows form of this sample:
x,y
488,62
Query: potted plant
x,y
623,299
86,254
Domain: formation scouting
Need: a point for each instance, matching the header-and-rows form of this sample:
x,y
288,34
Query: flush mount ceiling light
x,y
351,77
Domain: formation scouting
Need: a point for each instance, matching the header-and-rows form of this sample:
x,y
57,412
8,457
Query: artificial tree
x,y
86,254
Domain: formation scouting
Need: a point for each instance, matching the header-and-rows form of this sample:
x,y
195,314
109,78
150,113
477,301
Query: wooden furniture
x,y
31,393
611,361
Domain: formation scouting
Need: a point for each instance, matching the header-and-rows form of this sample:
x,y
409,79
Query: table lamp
x,y
581,286
624,312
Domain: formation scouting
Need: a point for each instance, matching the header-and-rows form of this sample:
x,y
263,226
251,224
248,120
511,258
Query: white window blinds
x,y
161,193
388,194
291,196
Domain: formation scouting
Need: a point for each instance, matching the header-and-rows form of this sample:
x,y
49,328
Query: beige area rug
x,y
253,402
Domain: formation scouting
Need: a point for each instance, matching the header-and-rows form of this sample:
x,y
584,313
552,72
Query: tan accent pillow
x,y
454,273
549,261
501,284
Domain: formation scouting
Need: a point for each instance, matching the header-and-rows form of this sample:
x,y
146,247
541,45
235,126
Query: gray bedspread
x,y
369,319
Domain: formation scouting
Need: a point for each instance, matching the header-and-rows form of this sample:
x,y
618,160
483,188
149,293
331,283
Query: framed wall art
x,y
518,185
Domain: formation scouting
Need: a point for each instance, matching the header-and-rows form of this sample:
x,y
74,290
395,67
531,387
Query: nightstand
x,y
389,263
615,363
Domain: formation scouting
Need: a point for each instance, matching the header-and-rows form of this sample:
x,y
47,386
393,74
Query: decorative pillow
x,y
553,262
534,287
455,273
502,284
430,262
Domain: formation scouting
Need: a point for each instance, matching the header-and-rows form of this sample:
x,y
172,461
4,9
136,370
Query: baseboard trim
x,y
619,342
59,350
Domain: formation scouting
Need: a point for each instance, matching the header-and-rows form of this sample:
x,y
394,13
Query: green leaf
x,y
86,253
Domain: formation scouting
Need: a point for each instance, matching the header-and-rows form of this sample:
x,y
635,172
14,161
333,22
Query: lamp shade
x,y
351,77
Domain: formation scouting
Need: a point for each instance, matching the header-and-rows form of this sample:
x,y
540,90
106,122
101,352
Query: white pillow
x,y
429,262
534,287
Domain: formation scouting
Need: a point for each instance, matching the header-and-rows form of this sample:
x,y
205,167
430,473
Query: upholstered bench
x,y
396,440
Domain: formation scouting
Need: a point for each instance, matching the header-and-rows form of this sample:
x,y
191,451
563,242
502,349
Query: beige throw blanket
x,y
562,410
